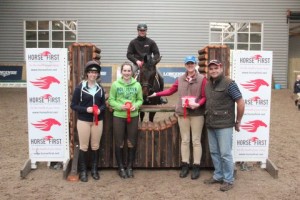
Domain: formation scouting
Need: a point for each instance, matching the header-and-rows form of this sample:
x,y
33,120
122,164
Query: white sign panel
x,y
47,103
252,71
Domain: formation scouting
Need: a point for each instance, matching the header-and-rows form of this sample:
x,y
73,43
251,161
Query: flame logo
x,y
254,85
46,124
252,126
253,139
45,82
257,57
47,96
45,53
48,137
255,98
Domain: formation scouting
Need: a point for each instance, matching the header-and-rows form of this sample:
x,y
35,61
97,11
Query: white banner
x,y
252,71
47,103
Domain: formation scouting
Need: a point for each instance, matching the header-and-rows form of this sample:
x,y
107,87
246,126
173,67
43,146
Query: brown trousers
x,y
121,127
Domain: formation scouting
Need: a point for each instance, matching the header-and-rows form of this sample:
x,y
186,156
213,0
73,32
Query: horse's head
x,y
147,74
150,82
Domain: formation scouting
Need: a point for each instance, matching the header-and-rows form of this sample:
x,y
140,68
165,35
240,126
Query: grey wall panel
x,y
179,27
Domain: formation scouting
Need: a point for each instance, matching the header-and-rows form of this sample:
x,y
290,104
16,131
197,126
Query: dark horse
x,y
151,82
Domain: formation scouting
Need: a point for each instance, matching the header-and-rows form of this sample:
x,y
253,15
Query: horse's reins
x,y
156,77
138,76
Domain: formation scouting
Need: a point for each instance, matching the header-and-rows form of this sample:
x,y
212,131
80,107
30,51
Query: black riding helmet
x,y
92,66
142,26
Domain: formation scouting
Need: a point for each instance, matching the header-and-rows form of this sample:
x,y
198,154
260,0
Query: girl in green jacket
x,y
125,98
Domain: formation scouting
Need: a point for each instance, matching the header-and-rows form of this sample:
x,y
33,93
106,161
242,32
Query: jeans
x,y
220,146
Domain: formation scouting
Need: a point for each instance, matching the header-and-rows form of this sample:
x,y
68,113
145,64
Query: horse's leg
x,y
142,115
151,116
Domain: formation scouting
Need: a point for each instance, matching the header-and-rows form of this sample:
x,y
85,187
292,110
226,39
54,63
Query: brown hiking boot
x,y
226,186
212,181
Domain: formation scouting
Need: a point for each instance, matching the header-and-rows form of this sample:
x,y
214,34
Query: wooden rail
x,y
157,108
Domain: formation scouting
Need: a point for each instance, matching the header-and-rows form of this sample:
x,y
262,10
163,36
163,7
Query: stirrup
x,y
163,100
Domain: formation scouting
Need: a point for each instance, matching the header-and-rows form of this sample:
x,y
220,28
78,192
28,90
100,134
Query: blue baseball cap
x,y
190,59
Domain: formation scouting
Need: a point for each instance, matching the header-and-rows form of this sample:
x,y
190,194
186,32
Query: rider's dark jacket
x,y
141,46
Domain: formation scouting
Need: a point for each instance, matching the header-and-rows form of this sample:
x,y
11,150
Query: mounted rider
x,y
141,46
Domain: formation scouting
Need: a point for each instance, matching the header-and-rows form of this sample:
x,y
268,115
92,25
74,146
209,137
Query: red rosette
x,y
95,112
128,105
186,104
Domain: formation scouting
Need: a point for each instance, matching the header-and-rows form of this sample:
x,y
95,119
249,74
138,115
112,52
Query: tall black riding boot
x,y
184,170
94,169
119,158
195,171
130,160
82,166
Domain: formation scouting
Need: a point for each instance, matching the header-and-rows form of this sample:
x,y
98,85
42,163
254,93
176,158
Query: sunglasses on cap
x,y
189,63
216,62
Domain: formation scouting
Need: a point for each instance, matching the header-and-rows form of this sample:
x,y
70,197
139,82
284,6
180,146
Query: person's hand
x,y
89,109
127,106
194,105
237,126
152,95
139,63
132,108
124,107
98,112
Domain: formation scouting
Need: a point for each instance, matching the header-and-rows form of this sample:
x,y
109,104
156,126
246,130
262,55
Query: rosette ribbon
x,y
95,112
128,105
186,104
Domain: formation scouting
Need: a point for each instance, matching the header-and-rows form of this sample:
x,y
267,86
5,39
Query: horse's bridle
x,y
147,85
137,77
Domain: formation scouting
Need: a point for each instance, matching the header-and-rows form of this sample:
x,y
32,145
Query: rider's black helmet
x,y
142,26
92,66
